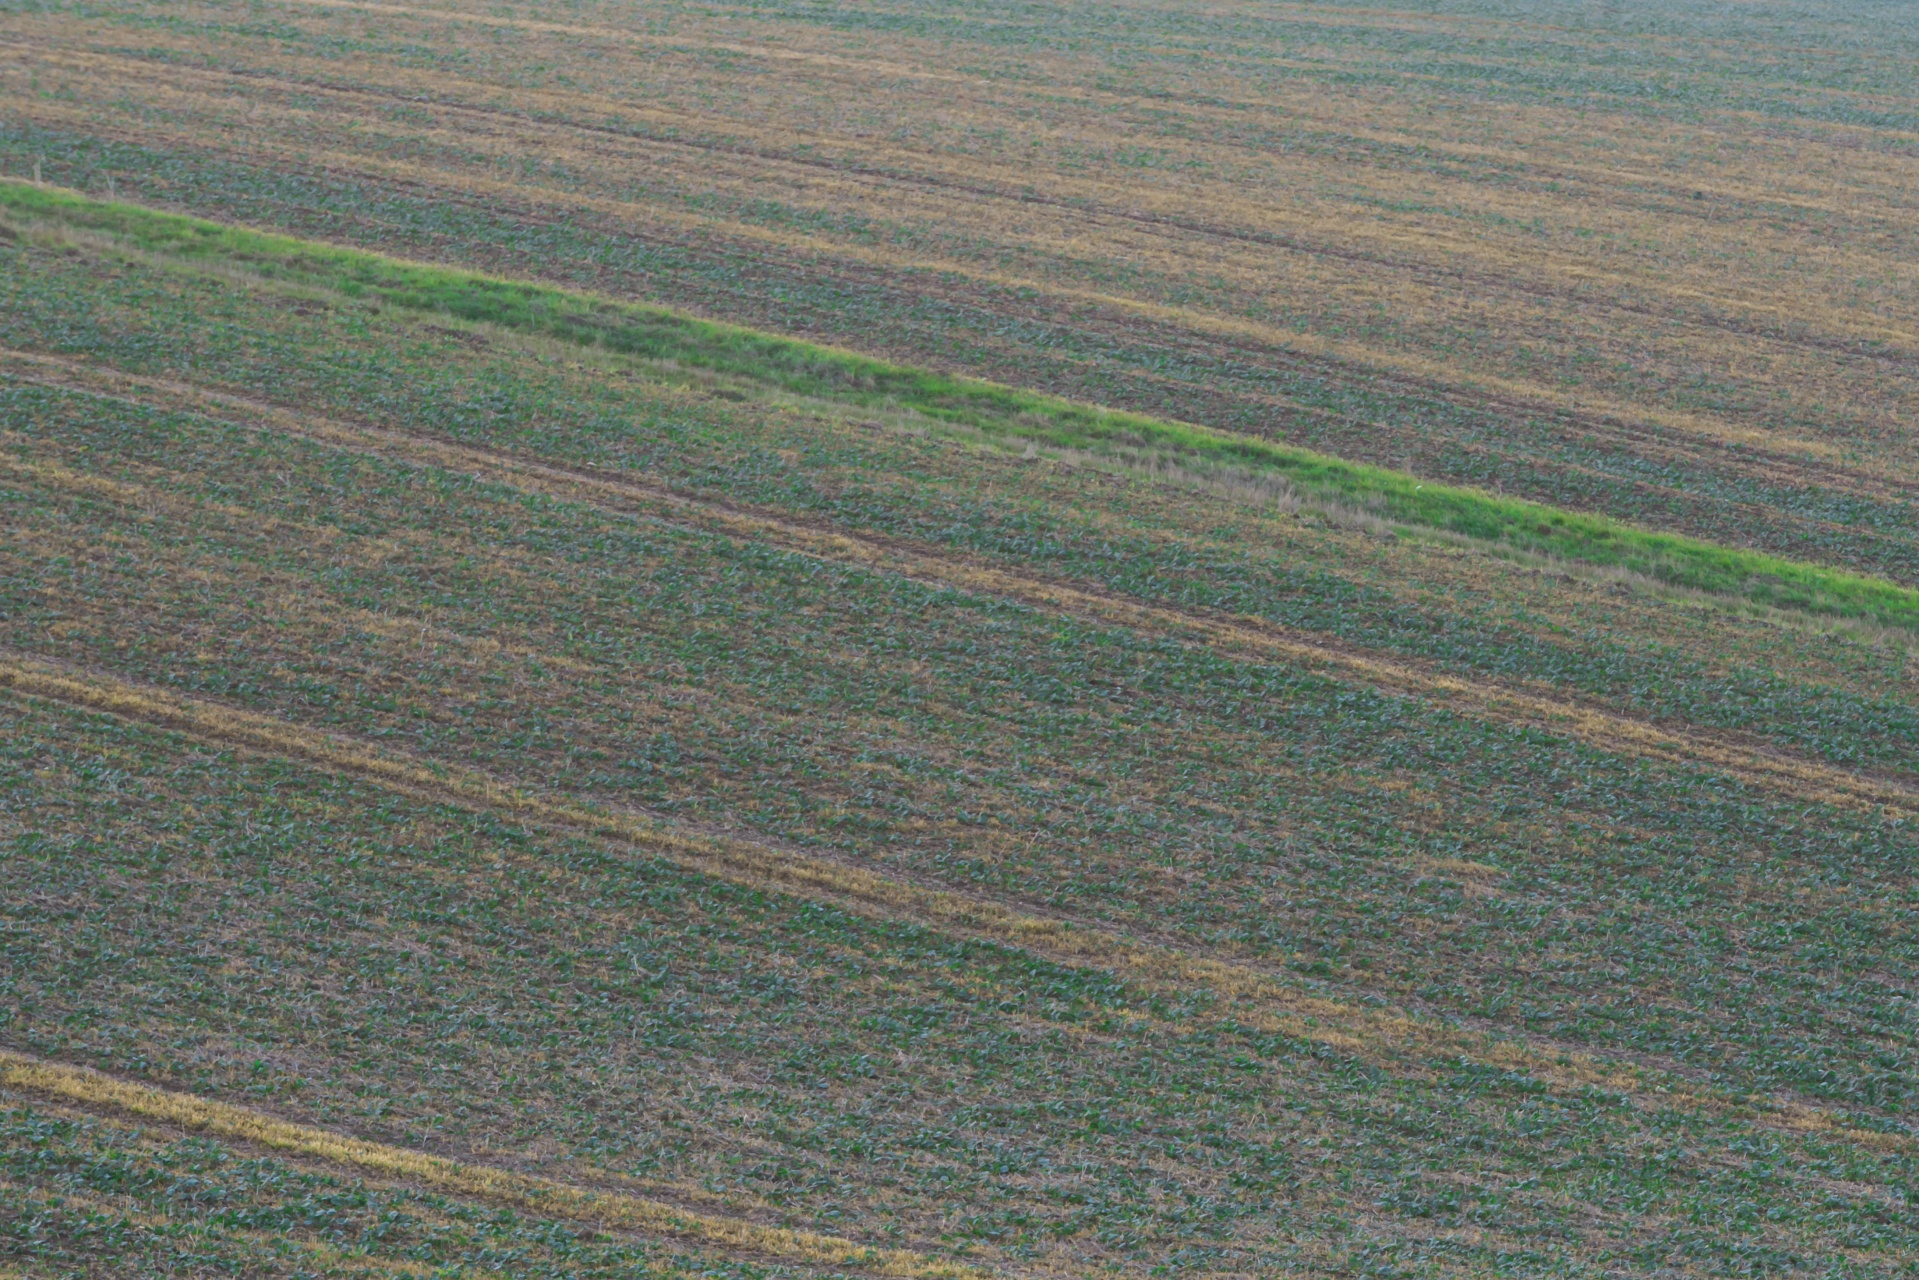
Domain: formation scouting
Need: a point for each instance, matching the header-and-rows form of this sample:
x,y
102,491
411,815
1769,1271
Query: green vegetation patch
x,y
1001,412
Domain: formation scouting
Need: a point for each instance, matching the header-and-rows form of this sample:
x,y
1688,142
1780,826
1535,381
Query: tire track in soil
x,y
988,190
98,1093
1761,463
1409,1044
823,541
1746,758
1736,457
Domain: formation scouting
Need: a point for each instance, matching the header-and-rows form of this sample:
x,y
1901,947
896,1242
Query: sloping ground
x,y
980,408
1651,262
395,971
452,744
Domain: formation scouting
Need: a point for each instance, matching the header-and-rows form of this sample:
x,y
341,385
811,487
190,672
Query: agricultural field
x,y
1652,260
958,642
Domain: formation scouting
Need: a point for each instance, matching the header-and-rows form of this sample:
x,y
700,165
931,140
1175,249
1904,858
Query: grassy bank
x,y
998,411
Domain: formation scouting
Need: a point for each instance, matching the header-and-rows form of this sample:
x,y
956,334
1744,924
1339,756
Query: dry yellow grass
x,y
609,1210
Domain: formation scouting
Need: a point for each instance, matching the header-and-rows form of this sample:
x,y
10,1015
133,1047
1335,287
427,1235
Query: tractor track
x,y
97,1093
1407,1042
1745,758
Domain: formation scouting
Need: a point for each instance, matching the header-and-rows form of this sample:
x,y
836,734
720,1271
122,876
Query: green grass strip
x,y
997,411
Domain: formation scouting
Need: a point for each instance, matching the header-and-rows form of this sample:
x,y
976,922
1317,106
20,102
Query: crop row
x,y
1211,556
803,368
1061,763
257,932
1723,362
